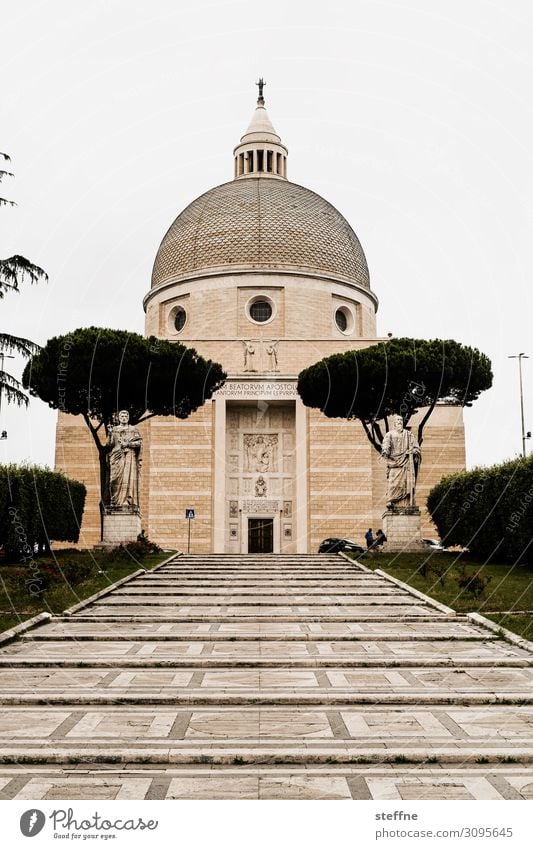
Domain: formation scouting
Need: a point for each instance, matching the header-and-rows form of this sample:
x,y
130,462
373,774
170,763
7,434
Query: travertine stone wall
x,y
340,479
346,477
181,476
336,480
176,474
215,305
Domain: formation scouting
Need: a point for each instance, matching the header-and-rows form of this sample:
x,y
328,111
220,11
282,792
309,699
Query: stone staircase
x,y
265,676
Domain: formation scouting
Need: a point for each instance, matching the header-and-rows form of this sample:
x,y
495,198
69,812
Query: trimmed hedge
x,y
36,507
487,510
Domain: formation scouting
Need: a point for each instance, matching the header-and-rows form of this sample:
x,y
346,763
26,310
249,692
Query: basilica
x,y
265,277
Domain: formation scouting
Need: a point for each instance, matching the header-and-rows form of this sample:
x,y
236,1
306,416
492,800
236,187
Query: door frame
x,y
276,526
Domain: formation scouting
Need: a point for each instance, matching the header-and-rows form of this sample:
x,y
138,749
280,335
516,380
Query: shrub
x,y
36,507
487,510
138,549
475,584
47,573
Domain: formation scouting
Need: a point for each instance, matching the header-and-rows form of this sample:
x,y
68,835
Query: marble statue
x,y
249,354
272,353
124,444
260,487
403,456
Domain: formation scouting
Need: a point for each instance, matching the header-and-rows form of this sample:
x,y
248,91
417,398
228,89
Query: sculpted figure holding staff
x,y
124,443
403,456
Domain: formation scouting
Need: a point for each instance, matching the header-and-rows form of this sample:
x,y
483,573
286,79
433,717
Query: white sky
x,y
413,118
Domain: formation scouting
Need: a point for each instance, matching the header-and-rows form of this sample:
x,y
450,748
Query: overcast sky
x,y
413,118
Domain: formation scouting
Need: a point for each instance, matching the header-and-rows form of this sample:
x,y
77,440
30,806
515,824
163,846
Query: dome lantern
x,y
260,152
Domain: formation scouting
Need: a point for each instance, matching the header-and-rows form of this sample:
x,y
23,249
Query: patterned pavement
x,y
265,677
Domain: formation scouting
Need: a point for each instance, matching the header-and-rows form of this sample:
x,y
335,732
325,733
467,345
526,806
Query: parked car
x,y
333,545
434,544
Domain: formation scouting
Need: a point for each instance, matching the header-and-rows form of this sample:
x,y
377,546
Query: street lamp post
x,y
520,357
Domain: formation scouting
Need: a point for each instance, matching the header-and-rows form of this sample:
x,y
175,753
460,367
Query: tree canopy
x,y
13,271
94,371
399,376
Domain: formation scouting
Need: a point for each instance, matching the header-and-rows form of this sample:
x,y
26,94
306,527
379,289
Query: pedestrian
x,y
369,539
380,540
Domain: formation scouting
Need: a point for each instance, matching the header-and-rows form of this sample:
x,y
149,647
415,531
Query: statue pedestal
x,y
121,525
402,529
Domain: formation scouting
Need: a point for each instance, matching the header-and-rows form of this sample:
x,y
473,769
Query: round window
x,y
261,311
341,320
180,317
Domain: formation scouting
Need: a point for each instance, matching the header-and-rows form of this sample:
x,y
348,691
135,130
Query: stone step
x,y
491,726
34,680
266,698
421,661
261,752
283,631
257,612
223,595
265,649
336,574
237,584
264,781
126,597
94,614
230,665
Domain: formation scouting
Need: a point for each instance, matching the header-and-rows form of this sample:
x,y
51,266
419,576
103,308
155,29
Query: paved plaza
x,y
265,676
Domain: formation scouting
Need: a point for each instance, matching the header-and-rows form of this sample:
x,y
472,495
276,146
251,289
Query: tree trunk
x,y
102,462
102,459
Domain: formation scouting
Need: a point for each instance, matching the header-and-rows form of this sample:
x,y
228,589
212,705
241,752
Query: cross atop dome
x,y
260,84
260,152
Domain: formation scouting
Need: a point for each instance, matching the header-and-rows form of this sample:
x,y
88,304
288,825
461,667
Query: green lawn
x,y
16,604
508,588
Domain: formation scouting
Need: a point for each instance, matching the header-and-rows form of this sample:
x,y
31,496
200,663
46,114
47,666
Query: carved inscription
x,y
258,389
262,505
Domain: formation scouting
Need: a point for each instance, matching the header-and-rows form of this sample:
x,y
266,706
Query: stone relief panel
x,y
260,452
276,419
287,463
260,466
232,421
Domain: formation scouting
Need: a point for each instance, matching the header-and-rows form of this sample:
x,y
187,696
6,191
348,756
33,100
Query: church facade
x,y
265,277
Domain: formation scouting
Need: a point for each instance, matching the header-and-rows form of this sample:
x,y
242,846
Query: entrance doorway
x,y
260,536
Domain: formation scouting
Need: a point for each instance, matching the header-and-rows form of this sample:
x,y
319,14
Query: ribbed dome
x,y
261,223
